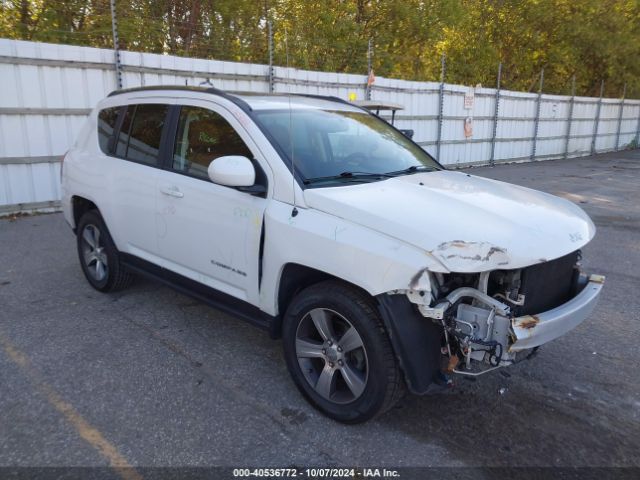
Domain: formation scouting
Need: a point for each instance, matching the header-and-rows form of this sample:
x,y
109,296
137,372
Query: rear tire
x,y
99,257
339,354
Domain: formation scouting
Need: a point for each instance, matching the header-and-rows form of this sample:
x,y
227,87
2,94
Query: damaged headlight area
x,y
493,319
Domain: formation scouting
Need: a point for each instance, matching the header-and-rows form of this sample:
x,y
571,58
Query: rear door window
x,y
141,133
123,137
107,119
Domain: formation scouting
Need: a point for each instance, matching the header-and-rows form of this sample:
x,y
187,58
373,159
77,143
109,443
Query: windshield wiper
x,y
349,176
369,175
411,169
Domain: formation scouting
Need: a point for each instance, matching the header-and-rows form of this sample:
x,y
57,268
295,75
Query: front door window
x,y
203,135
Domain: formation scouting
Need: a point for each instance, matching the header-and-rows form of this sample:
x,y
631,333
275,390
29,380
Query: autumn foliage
x,y
591,39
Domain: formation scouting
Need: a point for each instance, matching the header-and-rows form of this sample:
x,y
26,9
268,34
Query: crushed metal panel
x,y
458,253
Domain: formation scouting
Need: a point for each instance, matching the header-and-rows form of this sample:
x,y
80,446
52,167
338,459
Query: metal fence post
x,y
595,126
116,45
536,122
271,78
637,129
443,72
624,93
570,117
369,68
496,110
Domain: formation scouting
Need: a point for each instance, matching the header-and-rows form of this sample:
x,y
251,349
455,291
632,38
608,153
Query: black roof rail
x,y
164,87
321,97
212,90
221,93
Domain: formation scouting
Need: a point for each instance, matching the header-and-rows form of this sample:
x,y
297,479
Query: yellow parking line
x,y
87,432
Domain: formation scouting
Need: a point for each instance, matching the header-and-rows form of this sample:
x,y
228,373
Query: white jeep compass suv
x,y
322,223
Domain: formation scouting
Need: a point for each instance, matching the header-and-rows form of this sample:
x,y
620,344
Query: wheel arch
x,y
80,206
294,278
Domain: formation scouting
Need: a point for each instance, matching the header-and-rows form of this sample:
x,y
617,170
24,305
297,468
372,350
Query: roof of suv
x,y
256,101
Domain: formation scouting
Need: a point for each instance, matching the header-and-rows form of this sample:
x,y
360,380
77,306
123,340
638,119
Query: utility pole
x,y
443,72
637,137
595,125
369,69
536,123
570,116
492,158
116,45
624,94
271,79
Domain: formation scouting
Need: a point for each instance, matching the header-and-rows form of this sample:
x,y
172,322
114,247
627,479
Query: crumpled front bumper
x,y
534,330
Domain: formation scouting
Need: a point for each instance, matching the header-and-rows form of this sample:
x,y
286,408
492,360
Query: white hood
x,y
468,223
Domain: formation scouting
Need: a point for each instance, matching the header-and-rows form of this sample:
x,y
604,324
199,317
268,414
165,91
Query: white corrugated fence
x,y
46,90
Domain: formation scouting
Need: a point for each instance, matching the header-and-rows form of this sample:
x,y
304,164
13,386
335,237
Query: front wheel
x,y
339,354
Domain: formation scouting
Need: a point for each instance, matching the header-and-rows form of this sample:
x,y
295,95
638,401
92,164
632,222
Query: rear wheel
x,y
339,354
98,255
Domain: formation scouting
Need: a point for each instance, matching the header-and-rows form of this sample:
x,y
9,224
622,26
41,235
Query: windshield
x,y
343,146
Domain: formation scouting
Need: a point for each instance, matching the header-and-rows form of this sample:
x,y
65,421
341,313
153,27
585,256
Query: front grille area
x,y
545,285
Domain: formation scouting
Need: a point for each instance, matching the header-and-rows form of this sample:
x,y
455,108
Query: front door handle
x,y
172,191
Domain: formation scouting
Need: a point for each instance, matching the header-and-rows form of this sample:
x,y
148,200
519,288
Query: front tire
x,y
99,256
338,352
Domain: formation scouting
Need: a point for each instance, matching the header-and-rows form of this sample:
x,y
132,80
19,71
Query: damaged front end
x,y
493,319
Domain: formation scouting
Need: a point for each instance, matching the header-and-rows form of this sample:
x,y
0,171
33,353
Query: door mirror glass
x,y
232,171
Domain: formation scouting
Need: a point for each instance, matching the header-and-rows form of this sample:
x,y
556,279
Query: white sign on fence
x,y
469,98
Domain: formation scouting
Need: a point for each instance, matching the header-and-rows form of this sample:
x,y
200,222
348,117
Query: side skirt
x,y
210,296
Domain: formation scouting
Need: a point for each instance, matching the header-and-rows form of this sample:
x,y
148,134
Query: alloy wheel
x,y
93,253
332,356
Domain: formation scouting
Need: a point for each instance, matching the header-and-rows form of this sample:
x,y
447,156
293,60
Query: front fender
x,y
371,260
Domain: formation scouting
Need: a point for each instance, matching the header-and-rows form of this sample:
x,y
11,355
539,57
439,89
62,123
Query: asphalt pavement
x,y
149,377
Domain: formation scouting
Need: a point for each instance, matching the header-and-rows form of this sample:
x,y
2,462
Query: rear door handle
x,y
172,191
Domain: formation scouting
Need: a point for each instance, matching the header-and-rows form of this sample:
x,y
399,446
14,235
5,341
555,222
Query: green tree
x,y
592,39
